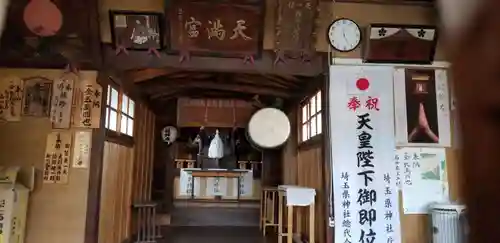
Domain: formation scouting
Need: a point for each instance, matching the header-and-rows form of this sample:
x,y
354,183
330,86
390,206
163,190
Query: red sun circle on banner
x,y
362,84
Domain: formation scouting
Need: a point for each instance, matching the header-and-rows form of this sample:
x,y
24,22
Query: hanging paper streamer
x,y
216,149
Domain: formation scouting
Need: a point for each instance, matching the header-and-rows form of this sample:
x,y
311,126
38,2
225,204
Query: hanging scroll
x,y
87,102
37,95
81,149
366,205
422,108
62,90
11,95
57,158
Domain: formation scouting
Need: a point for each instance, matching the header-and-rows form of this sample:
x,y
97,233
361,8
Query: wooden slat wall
x,y
115,193
144,147
289,153
144,154
127,178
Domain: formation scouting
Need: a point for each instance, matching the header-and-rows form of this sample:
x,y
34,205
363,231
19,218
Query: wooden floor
x,y
215,234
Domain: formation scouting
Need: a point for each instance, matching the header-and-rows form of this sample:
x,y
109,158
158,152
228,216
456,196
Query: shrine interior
x,y
187,121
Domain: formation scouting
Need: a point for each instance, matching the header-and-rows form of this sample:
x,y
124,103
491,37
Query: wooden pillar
x,y
475,56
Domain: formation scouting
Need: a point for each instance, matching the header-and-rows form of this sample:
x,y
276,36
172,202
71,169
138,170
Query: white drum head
x,y
269,128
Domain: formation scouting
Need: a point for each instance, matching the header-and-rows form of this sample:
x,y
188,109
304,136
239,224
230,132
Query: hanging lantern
x,y
169,134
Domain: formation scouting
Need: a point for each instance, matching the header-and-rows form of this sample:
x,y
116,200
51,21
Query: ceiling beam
x,y
240,88
141,59
147,74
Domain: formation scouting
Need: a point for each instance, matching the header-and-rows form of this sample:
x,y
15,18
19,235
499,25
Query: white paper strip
x,y
82,146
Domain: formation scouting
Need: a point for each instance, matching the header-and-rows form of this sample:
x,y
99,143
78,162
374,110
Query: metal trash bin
x,y
448,223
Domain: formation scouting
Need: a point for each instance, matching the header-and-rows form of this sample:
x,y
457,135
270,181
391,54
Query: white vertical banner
x,y
422,108
362,148
186,184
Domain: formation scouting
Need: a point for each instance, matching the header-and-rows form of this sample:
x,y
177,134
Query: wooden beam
x,y
141,59
241,88
95,170
147,74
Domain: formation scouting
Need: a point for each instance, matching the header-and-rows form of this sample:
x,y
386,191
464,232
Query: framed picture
x,y
422,108
136,30
37,96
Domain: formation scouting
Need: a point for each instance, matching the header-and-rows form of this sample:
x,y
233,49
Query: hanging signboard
x,y
11,95
295,25
87,103
422,108
423,178
57,155
223,29
62,96
364,178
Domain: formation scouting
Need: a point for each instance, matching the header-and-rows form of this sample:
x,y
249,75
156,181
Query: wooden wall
x,y
363,14
56,213
304,166
126,179
116,193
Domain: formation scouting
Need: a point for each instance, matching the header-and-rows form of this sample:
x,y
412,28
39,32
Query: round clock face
x,y
344,35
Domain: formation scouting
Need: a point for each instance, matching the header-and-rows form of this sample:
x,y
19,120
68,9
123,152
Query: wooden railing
x,y
147,229
244,165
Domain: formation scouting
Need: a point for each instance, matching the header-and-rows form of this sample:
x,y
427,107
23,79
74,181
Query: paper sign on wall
x,y
81,149
423,178
11,95
62,96
57,157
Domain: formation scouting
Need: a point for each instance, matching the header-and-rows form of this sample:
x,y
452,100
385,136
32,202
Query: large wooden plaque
x,y
222,29
295,25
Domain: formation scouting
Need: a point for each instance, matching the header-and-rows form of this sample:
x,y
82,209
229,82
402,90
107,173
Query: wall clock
x,y
344,35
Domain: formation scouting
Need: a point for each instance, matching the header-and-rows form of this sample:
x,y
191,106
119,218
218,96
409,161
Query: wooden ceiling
x,y
165,84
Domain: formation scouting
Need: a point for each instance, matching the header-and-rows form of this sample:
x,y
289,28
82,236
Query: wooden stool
x,y
267,208
283,190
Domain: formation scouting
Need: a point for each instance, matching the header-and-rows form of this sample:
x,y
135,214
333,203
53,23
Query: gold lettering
x,y
216,30
297,29
239,31
192,27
